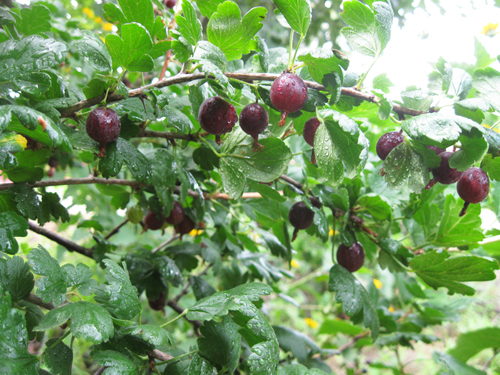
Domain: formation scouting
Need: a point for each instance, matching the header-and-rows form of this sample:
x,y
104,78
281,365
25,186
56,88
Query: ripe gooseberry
x,y
387,142
170,3
153,222
473,187
310,128
254,119
185,226
444,174
301,217
103,126
216,116
288,94
352,257
176,215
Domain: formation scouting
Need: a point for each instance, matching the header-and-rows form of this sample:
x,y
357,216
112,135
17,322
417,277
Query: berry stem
x,y
464,209
211,147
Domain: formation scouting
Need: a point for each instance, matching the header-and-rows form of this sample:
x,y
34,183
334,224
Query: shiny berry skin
x,y
216,116
436,149
388,142
310,128
288,94
473,187
151,221
185,226
103,126
254,119
301,217
176,215
351,258
444,174
170,3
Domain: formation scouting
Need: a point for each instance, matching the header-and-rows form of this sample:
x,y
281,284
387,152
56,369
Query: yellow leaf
x,y
195,232
312,323
378,283
489,27
391,309
107,26
295,264
88,12
98,19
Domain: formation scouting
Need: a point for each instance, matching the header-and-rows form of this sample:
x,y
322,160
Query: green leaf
x,y
31,119
116,363
53,286
267,191
119,296
79,277
332,327
30,54
339,147
16,278
7,161
369,30
417,99
376,206
14,355
11,225
136,162
169,271
231,33
437,269
94,50
12,142
453,366
177,120
455,230
296,342
205,158
30,175
140,11
239,162
297,13
392,250
472,108
59,359
491,166
471,343
201,288
89,321
322,62
201,366
153,334
208,7
405,164
486,82
382,82
189,25
34,20
299,370
474,147
213,61
483,58
130,50
221,343
51,206
354,298
32,84
33,315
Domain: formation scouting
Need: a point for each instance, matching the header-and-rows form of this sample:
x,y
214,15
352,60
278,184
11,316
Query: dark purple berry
x,y
444,174
216,116
254,119
176,215
436,149
310,128
351,258
153,222
301,217
388,142
170,3
473,187
288,94
185,226
103,126
158,304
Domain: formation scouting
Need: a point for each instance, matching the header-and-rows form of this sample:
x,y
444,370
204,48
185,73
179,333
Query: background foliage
x,y
85,289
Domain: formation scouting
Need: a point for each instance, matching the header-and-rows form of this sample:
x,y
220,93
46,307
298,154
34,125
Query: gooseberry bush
x,y
156,171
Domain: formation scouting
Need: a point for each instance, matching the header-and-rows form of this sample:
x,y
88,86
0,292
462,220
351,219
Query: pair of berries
x,y
182,223
217,117
473,184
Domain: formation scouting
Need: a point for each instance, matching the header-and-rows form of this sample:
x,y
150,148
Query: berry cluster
x,y
182,223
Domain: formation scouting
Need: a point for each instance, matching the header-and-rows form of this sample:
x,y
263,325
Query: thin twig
x,y
116,229
353,341
71,246
167,242
488,363
179,310
188,284
34,299
248,77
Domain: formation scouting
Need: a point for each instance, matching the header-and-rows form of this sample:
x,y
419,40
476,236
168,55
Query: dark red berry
x,y
103,126
153,222
185,226
351,258
288,94
310,128
444,174
315,202
170,3
53,162
158,304
217,116
176,215
301,217
436,149
388,142
473,187
50,173
254,119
